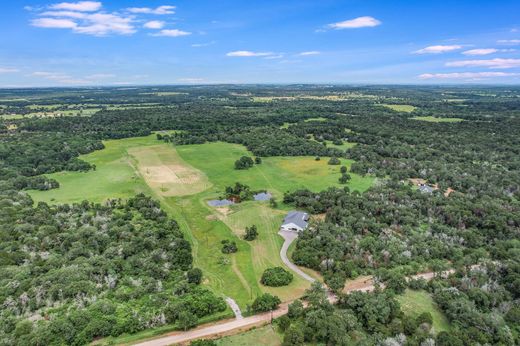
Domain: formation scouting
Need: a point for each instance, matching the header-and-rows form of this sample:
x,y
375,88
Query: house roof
x,y
299,218
426,188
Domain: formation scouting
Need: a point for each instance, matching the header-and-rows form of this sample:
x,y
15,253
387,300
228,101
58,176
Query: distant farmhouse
x,y
295,221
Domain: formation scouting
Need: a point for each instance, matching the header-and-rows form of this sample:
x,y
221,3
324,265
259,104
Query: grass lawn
x,y
184,178
413,303
344,146
263,336
400,108
438,120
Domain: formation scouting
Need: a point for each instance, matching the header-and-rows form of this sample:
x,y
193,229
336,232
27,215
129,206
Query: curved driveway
x,y
289,238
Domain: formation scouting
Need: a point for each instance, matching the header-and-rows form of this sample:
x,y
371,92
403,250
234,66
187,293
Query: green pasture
x,y
122,170
438,120
413,303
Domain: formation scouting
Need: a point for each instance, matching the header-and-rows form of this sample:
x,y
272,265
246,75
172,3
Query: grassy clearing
x,y
344,146
183,178
413,303
263,336
438,120
316,119
400,108
166,173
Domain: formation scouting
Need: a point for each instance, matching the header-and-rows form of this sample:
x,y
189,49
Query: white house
x,y
295,221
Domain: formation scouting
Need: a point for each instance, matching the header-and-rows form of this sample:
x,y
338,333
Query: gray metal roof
x,y
220,202
299,218
262,196
426,188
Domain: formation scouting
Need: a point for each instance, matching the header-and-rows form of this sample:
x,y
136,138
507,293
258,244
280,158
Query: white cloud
x,y
509,42
8,70
246,53
154,24
101,24
81,6
482,51
491,63
313,52
437,49
147,10
54,23
97,24
360,22
466,75
171,33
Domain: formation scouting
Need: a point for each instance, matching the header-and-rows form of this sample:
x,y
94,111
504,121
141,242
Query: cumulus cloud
x,y
154,24
312,52
438,49
8,70
247,53
86,17
466,75
82,19
491,63
54,23
171,33
80,6
166,9
359,22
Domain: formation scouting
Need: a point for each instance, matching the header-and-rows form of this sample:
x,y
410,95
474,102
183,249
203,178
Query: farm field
x,y
438,120
184,178
400,108
414,303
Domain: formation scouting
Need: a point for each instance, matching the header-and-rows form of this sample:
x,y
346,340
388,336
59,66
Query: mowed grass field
x,y
438,120
400,108
184,178
263,336
413,303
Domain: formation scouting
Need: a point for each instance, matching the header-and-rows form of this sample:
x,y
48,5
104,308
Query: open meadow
x,y
184,178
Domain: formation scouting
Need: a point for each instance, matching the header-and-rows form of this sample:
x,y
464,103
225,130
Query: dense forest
x,y
71,273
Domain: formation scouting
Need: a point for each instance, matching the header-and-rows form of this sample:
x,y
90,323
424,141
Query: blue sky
x,y
87,43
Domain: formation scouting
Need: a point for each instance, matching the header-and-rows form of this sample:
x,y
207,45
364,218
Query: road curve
x,y
289,237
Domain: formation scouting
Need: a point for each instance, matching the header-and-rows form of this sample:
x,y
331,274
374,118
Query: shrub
x,y
276,277
244,162
194,276
251,233
334,161
266,302
229,246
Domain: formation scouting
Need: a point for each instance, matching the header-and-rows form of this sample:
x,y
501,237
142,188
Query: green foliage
x,y
344,178
276,277
111,269
295,309
245,162
251,233
194,276
258,160
265,302
293,337
228,246
334,161
203,343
